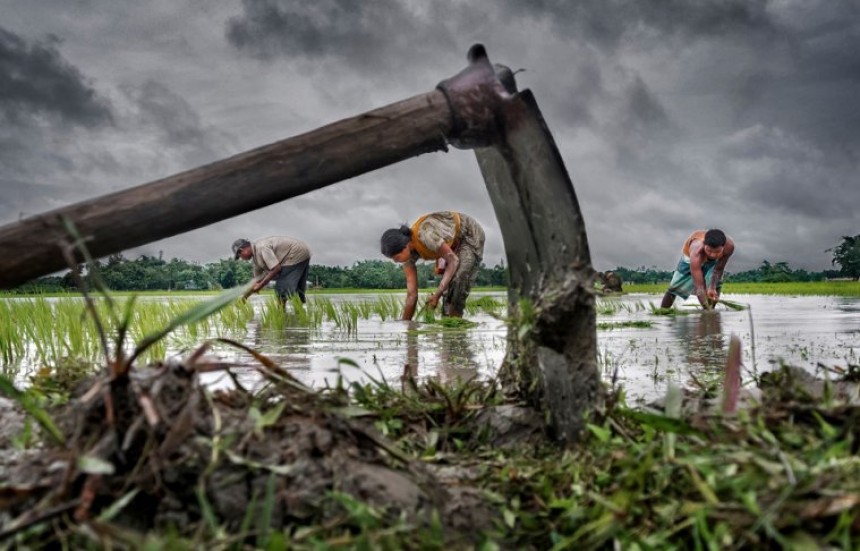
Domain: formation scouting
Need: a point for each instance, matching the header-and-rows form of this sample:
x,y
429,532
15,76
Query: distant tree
x,y
378,274
776,273
497,276
643,274
846,255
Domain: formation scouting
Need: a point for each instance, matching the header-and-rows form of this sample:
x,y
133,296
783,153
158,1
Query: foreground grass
x,y
783,474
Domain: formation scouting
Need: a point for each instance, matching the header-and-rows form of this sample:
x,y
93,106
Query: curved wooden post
x,y
552,355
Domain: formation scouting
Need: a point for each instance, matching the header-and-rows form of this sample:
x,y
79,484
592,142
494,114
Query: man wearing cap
x,y
281,257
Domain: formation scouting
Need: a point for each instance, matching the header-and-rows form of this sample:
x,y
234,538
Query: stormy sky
x,y
670,115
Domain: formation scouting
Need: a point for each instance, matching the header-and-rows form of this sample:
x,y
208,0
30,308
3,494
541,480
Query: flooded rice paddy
x,y
640,350
637,348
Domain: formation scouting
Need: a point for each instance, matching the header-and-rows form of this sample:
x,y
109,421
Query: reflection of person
x,y
281,257
704,258
455,241
702,337
410,368
456,357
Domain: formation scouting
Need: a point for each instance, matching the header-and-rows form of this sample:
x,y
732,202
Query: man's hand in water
x,y
433,301
713,297
704,299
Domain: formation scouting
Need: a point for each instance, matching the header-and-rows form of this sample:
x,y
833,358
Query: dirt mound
x,y
177,456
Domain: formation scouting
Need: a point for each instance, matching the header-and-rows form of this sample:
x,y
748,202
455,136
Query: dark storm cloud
x,y
644,132
776,170
363,34
176,124
61,141
36,81
605,23
47,107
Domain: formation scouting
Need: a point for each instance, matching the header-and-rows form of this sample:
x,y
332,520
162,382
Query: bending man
x,y
704,258
281,257
454,241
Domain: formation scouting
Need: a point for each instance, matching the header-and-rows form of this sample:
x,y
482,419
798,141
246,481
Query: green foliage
x,y
846,255
155,273
149,273
767,272
776,272
384,274
30,402
643,275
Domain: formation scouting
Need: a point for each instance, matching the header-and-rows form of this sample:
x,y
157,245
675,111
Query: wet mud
x,y
181,454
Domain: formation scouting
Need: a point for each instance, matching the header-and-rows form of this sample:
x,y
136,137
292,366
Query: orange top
x,y
422,249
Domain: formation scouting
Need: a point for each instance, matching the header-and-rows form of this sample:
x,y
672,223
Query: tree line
x,y
146,273
151,273
767,272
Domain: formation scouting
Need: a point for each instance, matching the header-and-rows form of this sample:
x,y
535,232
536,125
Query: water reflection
x,y
410,368
456,357
451,354
703,341
802,331
288,346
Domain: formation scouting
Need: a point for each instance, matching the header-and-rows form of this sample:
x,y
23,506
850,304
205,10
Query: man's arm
x,y
451,264
717,276
696,254
261,283
411,273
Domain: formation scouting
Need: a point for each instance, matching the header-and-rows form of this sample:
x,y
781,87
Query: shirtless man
x,y
704,258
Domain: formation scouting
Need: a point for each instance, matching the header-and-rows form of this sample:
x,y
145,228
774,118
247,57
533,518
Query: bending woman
x,y
454,241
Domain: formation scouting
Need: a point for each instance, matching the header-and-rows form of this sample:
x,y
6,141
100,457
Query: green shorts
x,y
682,279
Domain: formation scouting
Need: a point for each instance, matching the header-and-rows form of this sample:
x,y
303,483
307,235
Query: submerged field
x,y
359,335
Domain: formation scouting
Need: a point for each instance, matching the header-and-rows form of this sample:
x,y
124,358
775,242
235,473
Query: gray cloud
x,y
36,81
64,141
670,115
176,125
365,35
607,24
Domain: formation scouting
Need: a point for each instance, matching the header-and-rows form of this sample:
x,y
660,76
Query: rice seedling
x,y
487,304
658,311
233,319
607,307
636,324
387,307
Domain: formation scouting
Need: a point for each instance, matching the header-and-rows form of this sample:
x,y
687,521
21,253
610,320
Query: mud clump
x,y
182,456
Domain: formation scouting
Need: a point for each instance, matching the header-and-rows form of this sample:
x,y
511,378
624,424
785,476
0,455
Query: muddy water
x,y
816,333
686,350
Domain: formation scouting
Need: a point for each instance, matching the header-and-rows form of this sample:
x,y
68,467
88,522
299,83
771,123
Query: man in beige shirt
x,y
281,257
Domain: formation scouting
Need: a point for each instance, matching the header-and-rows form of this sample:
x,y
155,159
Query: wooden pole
x,y
242,183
